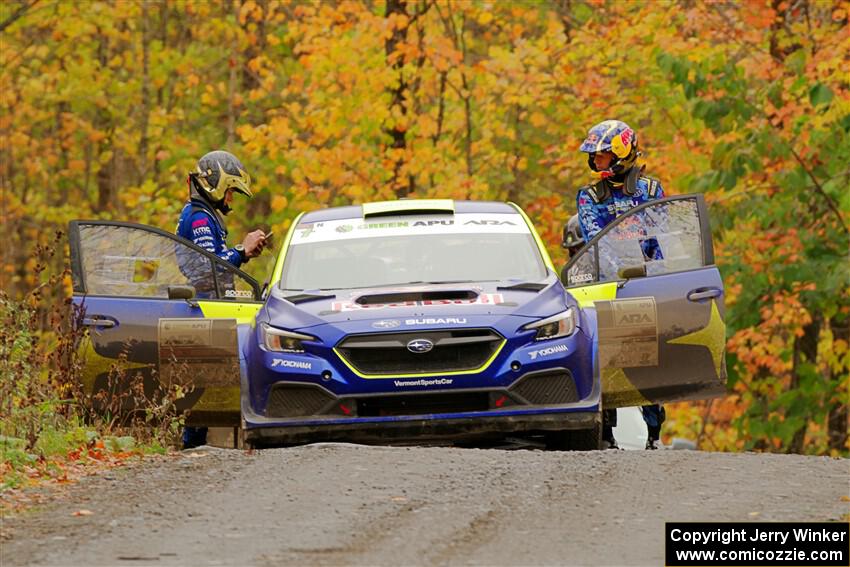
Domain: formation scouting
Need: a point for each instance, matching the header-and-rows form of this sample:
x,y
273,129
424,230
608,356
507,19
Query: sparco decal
x,y
483,299
547,351
437,321
291,364
581,278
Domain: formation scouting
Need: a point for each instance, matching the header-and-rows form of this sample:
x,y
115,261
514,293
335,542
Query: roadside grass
x,y
53,428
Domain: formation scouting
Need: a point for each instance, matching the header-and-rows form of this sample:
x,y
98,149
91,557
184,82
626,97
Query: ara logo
x,y
420,346
489,222
635,319
534,354
386,324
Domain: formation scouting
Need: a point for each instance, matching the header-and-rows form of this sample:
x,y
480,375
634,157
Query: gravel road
x,y
333,504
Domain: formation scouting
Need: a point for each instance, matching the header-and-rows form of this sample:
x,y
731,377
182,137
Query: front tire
x,y
575,439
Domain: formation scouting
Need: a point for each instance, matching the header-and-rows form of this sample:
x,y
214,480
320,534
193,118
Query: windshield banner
x,y
349,229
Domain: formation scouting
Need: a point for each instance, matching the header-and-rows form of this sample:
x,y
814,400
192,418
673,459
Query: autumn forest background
x,y
105,107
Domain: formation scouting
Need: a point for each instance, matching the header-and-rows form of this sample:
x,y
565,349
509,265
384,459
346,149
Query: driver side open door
x,y
163,312
659,304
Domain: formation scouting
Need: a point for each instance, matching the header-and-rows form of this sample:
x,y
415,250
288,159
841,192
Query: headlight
x,y
278,340
562,324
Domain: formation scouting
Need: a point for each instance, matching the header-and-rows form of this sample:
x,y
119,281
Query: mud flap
x,y
202,353
644,361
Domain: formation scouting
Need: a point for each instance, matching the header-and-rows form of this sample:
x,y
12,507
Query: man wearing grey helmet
x,y
212,185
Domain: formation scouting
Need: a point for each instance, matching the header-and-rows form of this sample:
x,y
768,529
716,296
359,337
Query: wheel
x,y
575,439
586,439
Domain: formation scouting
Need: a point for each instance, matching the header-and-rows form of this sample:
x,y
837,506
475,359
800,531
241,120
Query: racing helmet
x,y
612,136
217,172
572,239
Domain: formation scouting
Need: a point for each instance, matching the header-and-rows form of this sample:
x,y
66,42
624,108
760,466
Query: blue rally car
x,y
412,320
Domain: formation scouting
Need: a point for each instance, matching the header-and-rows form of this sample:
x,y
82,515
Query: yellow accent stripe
x,y
242,312
278,267
478,370
599,143
618,391
540,246
587,294
424,205
712,337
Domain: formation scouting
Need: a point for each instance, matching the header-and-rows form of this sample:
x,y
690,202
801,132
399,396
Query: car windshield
x,y
410,250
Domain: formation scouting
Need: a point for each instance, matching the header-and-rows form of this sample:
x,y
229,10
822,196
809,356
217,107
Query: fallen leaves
x,y
56,474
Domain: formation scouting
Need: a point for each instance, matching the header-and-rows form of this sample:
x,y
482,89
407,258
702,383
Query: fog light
x,y
326,375
515,366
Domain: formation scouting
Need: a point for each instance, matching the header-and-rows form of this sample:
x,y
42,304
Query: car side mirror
x,y
632,272
181,292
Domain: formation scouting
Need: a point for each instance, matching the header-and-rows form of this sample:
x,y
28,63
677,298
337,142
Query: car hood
x,y
294,311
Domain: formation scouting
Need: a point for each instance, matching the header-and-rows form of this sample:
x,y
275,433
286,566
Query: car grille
x,y
387,354
548,387
292,400
420,404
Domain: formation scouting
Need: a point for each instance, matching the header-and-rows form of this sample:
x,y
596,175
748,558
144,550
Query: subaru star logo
x,y
386,324
420,346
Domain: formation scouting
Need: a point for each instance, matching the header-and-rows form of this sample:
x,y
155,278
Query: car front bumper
x,y
422,429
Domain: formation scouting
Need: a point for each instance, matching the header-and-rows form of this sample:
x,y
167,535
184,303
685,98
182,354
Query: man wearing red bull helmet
x,y
218,176
612,151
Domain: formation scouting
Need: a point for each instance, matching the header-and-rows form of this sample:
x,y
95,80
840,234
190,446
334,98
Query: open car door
x,y
659,303
166,309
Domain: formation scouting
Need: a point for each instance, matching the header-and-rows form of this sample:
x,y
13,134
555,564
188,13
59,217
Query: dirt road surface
x,y
339,504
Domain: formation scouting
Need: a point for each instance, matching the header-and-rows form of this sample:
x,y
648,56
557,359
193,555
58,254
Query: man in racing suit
x,y
612,150
219,174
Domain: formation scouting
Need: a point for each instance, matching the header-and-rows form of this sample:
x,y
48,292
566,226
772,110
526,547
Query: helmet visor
x,y
240,183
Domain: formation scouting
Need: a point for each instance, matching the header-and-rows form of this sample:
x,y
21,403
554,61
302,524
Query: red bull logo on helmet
x,y
621,144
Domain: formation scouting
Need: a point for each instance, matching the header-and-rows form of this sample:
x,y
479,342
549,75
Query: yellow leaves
x,y
209,98
76,166
427,126
279,203
537,119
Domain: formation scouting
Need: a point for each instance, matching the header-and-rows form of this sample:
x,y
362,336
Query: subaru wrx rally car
x,y
413,320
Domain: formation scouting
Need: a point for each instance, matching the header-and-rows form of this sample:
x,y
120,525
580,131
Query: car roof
x,y
356,211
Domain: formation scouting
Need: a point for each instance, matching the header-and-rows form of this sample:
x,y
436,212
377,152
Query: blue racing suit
x,y
596,209
200,224
598,205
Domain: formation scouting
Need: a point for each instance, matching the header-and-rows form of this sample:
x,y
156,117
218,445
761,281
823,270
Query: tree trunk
x,y
398,97
838,419
805,350
146,96
232,83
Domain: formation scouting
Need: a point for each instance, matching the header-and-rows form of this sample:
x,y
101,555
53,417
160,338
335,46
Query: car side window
x,y
233,285
133,261
661,237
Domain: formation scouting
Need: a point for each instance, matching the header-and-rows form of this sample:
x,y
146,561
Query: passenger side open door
x,y
659,304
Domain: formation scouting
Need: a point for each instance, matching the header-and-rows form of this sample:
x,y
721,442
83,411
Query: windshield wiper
x,y
525,286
